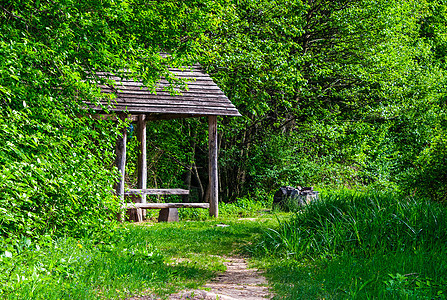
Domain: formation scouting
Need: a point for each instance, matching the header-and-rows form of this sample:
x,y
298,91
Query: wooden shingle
x,y
202,97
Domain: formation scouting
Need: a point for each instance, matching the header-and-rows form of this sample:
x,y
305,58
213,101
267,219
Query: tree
x,y
318,75
56,168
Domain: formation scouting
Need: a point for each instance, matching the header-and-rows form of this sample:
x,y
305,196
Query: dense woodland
x,y
333,94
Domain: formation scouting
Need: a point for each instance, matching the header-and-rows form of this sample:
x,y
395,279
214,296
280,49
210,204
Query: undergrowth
x,y
343,246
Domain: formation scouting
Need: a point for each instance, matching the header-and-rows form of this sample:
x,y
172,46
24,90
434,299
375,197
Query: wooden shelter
x,y
201,98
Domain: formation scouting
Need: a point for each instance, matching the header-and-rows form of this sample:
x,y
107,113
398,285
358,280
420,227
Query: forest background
x,y
333,94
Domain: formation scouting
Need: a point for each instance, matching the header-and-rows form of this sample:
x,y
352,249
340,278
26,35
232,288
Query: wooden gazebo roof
x,y
202,97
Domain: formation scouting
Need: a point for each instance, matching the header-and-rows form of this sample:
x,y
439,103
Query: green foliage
x,y
404,286
54,176
338,93
333,93
247,207
430,177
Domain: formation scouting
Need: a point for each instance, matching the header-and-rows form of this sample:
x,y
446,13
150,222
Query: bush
x,y
429,179
56,174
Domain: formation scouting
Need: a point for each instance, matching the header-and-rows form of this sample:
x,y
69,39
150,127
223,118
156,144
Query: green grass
x,y
136,259
344,246
359,246
394,276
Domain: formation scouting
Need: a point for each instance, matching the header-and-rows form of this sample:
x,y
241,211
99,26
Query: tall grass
x,y
362,245
371,223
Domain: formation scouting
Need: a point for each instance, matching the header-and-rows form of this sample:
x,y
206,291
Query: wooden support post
x,y
120,162
142,162
213,175
168,215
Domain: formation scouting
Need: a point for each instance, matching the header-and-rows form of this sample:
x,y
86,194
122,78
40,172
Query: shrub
x,y
56,174
429,179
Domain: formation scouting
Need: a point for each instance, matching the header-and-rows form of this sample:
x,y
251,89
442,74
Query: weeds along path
x,y
237,282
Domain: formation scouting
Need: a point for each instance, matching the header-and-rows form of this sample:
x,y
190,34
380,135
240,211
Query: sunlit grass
x,y
67,268
136,259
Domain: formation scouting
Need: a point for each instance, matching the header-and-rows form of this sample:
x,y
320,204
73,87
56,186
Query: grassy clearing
x,y
136,259
345,246
359,246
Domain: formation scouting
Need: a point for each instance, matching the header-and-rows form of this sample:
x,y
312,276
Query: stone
x,y
290,198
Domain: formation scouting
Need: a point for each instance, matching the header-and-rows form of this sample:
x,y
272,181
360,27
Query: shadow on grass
x,y
207,238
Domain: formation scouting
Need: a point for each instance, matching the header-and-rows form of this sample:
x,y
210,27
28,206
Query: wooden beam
x,y
172,116
213,175
120,162
149,116
157,192
112,117
165,205
142,162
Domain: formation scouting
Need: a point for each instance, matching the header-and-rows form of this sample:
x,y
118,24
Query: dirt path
x,y
238,282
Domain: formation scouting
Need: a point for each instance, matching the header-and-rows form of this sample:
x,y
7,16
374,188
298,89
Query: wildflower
x,y
80,246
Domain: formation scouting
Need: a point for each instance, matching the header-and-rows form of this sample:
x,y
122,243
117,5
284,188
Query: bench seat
x,y
165,205
156,192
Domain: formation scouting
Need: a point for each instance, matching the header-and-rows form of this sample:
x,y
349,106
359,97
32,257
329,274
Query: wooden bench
x,y
168,211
